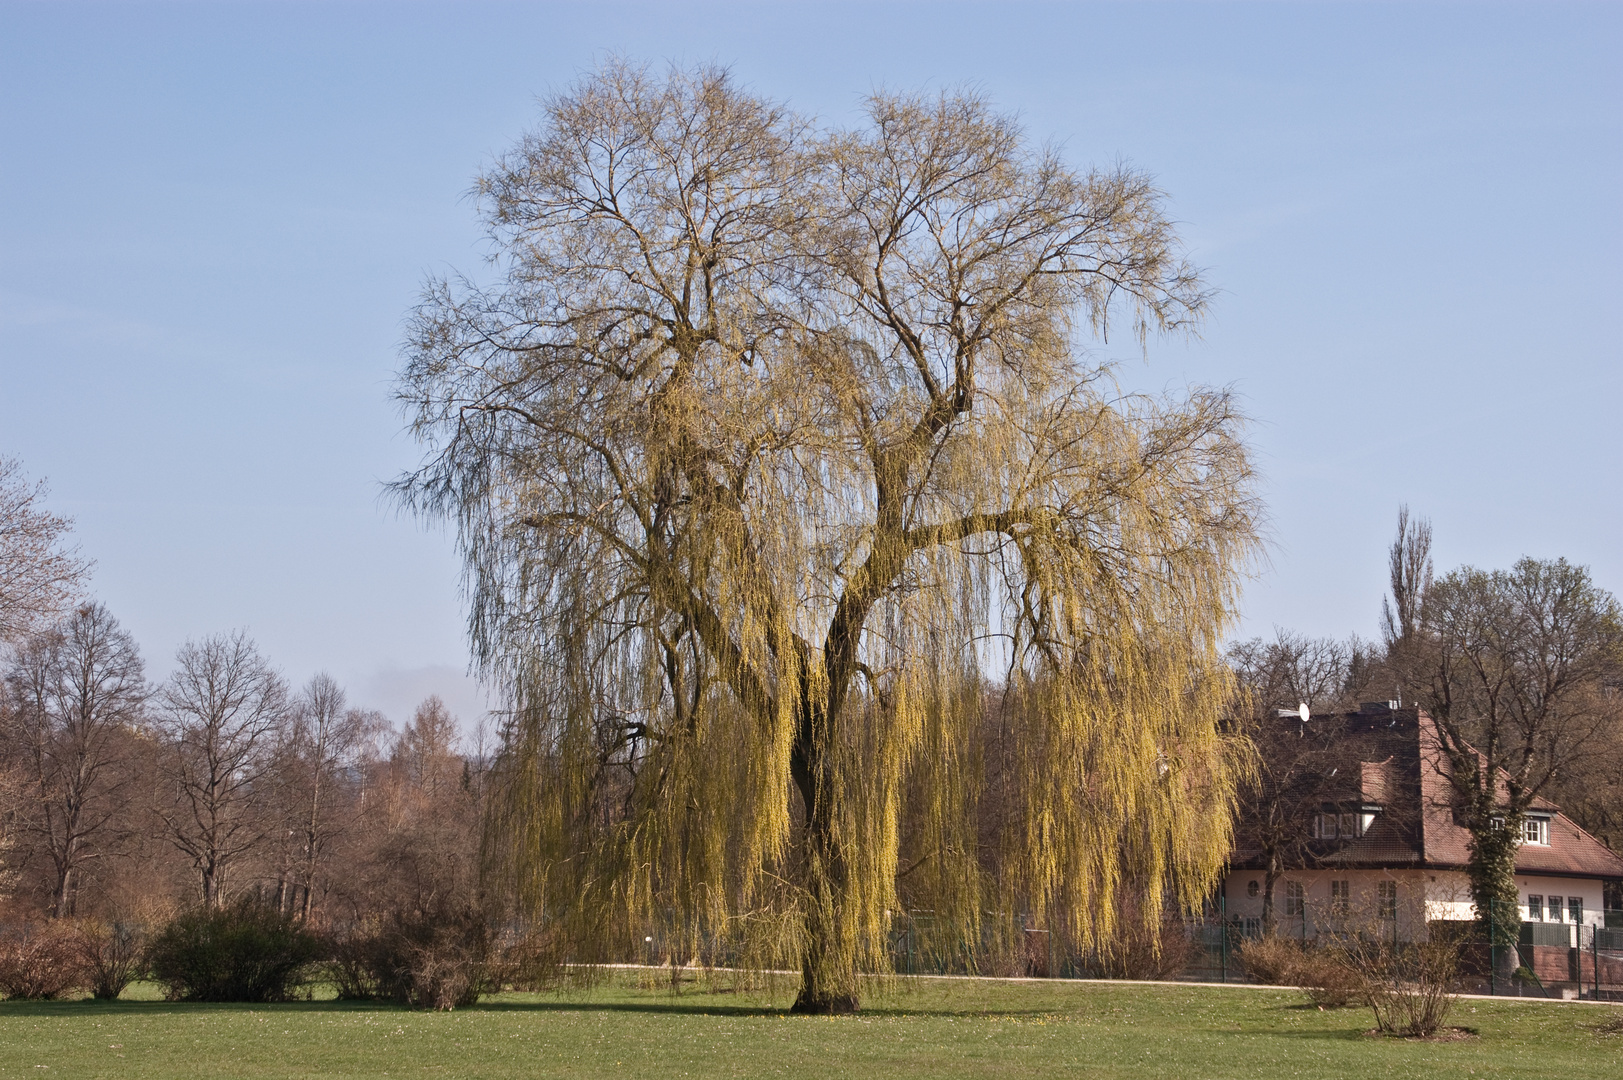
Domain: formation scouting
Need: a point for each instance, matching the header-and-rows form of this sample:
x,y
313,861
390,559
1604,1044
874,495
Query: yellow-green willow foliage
x,y
772,453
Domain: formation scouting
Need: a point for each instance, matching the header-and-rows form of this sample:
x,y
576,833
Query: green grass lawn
x,y
934,1028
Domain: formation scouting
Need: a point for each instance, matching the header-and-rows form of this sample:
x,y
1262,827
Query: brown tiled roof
x,y
1571,851
1410,769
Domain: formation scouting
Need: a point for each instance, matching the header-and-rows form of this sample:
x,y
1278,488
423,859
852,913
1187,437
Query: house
x,y
1383,845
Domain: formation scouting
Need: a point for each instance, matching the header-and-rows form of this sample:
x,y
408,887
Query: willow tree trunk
x,y
829,975
828,961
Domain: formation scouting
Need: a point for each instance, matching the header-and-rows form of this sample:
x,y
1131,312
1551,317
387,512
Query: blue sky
x,y
214,216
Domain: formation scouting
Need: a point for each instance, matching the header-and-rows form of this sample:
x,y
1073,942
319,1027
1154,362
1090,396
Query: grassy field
x,y
928,1028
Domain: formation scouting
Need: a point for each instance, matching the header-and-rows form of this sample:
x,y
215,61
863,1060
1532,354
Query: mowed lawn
x,y
927,1028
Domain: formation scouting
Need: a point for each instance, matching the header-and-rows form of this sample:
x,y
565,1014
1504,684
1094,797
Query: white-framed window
x,y
1340,896
1555,908
1535,907
1295,900
1575,909
1386,895
1536,830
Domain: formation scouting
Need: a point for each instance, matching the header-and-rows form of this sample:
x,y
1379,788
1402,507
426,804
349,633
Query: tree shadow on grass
x,y
656,1008
87,1007
671,1007
1347,1034
879,1010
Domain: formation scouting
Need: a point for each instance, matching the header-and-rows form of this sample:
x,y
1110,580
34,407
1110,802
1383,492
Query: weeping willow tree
x,y
763,442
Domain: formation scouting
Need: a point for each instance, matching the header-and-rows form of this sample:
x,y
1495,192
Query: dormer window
x,y
1536,830
1343,824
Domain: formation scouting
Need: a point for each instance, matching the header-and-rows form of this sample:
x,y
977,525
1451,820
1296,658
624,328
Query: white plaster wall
x,y
1447,893
1588,889
1413,899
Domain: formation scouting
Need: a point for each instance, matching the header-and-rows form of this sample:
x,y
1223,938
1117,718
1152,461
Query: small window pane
x,y
1387,893
1575,909
1555,909
1535,908
1295,899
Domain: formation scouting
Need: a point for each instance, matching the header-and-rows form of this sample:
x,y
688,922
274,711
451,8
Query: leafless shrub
x,y
1408,985
39,962
354,961
109,955
439,959
1321,971
1155,952
1329,983
1271,960
443,972
1406,979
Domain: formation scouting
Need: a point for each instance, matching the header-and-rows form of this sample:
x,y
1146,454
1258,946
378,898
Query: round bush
x,y
245,952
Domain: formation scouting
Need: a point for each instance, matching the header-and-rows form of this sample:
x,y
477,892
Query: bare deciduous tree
x,y
425,754
761,435
1517,667
416,850
77,691
325,740
1293,670
1589,787
38,575
222,711
1409,571
1295,758
13,802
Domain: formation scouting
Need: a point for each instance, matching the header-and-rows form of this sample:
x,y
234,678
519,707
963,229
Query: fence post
x,y
1594,957
1223,936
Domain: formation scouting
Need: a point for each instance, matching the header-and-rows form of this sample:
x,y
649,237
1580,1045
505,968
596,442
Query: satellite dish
x,y
1304,712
